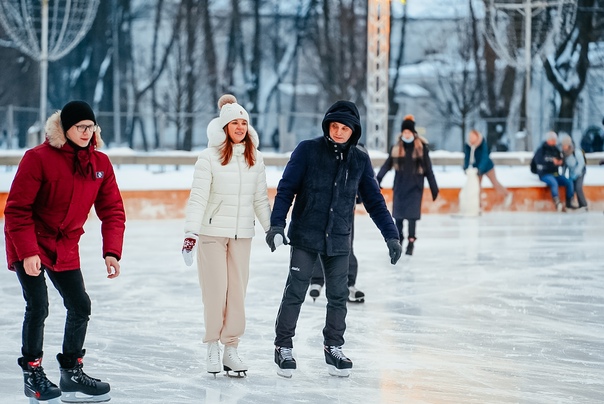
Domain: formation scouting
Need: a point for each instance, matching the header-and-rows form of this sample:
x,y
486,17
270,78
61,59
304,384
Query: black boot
x,y
36,384
75,383
409,250
569,204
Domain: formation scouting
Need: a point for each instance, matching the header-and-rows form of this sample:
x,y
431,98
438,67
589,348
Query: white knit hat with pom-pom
x,y
230,110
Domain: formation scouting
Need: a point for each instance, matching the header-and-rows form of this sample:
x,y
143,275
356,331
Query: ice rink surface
x,y
505,308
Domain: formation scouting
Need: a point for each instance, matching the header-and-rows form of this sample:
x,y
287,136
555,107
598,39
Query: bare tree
x,y
456,94
495,84
339,40
567,68
396,65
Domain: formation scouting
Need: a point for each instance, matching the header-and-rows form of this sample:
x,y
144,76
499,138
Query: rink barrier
x,y
170,204
280,160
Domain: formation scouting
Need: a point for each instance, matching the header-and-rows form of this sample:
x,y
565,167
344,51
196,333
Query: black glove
x,y
394,249
272,233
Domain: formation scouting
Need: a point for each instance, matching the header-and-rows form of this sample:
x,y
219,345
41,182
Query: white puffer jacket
x,y
225,200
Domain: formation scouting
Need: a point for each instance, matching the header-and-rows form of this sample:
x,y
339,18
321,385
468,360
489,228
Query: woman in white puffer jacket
x,y
229,191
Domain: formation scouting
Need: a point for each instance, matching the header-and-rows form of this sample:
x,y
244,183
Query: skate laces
x,y
83,377
232,353
214,353
39,378
336,352
286,353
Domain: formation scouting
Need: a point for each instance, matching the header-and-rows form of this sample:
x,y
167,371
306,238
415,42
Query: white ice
x,y
504,308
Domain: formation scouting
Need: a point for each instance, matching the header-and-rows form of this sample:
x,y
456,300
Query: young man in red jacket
x,y
55,186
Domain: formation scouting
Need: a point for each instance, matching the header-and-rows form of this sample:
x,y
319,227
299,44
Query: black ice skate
x,y
355,295
315,291
285,360
409,250
77,386
233,363
36,385
337,363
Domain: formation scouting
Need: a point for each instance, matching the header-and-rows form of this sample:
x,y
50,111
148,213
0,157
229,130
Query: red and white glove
x,y
188,246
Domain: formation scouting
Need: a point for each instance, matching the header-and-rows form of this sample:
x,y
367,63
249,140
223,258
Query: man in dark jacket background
x,y
325,175
547,160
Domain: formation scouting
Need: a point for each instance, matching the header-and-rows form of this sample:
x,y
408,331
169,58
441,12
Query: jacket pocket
x,y
214,212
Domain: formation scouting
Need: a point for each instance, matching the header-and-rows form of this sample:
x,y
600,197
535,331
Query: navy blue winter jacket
x,y
544,159
325,178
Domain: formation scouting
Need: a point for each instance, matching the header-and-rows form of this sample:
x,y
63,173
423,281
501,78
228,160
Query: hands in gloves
x,y
394,249
275,236
187,248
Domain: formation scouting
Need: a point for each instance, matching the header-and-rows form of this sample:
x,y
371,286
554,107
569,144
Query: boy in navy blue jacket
x,y
324,175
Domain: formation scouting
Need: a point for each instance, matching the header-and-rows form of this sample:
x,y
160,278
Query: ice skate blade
x,y
287,373
333,371
359,300
77,397
237,374
55,400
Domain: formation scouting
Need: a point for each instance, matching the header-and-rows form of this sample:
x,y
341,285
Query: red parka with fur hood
x,y
49,202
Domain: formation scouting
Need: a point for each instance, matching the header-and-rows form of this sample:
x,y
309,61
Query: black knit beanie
x,y
74,112
408,123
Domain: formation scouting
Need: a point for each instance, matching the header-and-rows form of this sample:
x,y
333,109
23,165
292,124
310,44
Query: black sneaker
x,y
77,386
285,360
337,363
36,384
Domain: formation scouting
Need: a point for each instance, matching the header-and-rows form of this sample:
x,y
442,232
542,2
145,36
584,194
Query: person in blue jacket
x,y
325,175
477,154
574,162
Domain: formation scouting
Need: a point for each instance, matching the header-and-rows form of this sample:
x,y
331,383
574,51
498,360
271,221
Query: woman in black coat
x,y
411,161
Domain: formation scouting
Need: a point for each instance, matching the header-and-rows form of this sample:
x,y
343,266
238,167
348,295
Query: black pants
x,y
336,291
399,225
318,277
70,285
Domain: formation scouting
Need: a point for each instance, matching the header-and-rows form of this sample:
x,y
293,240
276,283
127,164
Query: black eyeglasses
x,y
84,128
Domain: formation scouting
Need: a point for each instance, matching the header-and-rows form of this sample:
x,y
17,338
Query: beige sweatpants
x,y
223,267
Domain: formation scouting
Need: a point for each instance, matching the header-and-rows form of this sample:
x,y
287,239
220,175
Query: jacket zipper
x,y
238,196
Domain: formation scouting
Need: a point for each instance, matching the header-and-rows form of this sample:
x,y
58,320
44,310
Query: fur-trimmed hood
x,y
217,135
56,136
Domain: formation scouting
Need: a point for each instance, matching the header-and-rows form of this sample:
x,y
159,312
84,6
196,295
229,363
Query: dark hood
x,y
344,112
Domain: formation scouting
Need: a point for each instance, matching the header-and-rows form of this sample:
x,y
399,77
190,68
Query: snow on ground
x,y
505,308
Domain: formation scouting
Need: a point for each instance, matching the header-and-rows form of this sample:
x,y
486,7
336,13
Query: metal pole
x,y
528,14
43,68
10,123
